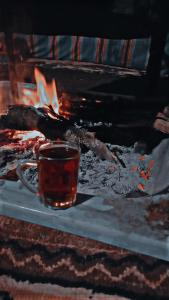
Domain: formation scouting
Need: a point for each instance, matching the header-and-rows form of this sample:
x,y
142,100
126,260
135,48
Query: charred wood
x,y
53,126
45,120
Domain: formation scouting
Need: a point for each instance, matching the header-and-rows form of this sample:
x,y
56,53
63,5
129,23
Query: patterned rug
x,y
38,291
37,259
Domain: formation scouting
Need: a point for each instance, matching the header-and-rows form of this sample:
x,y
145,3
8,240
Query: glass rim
x,y
48,145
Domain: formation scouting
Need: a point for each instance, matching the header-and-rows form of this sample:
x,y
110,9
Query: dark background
x,y
107,19
103,18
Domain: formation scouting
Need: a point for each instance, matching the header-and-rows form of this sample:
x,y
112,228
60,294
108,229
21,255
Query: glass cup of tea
x,y
58,165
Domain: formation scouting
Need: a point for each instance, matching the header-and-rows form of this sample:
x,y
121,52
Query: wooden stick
x,y
53,126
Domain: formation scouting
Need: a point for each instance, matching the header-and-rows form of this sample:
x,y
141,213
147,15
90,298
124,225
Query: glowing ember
x,y
134,168
141,187
142,157
144,173
45,93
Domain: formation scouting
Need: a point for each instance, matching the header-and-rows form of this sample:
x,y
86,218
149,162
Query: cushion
x,y
131,53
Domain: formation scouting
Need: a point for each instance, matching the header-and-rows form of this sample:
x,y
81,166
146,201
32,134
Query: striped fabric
x,y
123,53
132,53
24,290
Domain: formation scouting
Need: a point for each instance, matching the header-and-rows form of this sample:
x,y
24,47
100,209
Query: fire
x,y
45,94
46,91
26,135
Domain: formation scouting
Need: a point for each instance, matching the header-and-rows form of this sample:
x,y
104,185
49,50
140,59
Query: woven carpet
x,y
46,262
38,291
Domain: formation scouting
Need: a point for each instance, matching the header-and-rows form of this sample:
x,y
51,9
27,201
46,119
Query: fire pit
x,y
108,171
118,161
111,111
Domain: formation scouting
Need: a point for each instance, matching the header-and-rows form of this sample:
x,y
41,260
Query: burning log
x,y
23,117
53,126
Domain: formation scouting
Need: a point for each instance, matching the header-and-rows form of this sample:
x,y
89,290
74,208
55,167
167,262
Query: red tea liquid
x,y
58,173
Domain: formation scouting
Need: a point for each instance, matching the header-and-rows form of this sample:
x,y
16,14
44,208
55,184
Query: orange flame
x,y
46,91
44,94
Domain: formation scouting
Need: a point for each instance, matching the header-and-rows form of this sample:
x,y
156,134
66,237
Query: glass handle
x,y
19,171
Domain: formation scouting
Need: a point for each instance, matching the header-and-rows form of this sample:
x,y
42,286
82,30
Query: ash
x,y
97,176
100,176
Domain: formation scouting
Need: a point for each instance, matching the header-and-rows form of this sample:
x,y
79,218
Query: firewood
x,y
43,119
53,126
161,122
